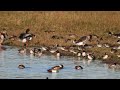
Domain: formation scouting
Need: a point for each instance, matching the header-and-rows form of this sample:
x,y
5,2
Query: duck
x,y
115,35
79,54
53,70
105,56
38,52
82,41
98,44
118,55
78,43
26,37
21,66
114,66
78,67
73,51
107,45
3,36
58,53
118,41
113,50
22,50
52,49
58,67
91,57
84,54
110,33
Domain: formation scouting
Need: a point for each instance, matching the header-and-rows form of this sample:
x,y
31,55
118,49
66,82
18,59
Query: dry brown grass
x,y
62,22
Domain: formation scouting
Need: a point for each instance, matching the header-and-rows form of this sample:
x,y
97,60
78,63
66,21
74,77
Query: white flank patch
x,y
24,40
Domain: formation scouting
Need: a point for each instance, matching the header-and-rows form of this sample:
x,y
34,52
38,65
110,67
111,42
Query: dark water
x,y
36,67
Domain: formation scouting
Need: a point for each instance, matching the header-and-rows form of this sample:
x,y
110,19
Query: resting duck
x,y
90,56
105,56
82,41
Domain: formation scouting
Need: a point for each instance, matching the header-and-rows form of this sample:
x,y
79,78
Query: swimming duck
x,y
78,67
21,66
114,66
52,70
22,50
58,67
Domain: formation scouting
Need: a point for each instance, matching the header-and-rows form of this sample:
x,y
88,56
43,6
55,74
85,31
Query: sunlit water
x,y
36,67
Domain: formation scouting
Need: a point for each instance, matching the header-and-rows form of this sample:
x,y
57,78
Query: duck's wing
x,y
83,38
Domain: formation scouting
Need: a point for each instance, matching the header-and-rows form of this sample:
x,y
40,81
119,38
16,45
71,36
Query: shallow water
x,y
36,67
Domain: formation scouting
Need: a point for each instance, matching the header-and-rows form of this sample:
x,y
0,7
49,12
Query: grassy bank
x,y
46,24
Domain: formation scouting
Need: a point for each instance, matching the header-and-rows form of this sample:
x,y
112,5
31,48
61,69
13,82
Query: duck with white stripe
x,y
53,70
82,41
26,37
90,56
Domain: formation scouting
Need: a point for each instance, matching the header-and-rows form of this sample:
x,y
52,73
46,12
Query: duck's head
x,y
61,66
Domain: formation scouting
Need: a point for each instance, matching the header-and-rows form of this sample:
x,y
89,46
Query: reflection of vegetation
x,y
45,24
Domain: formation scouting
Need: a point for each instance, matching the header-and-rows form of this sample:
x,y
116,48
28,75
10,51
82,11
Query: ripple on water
x,y
36,67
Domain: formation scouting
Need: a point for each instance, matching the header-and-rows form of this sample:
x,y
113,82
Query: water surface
x,y
36,67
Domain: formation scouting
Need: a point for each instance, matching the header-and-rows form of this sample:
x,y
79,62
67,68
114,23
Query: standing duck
x,y
26,37
3,37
